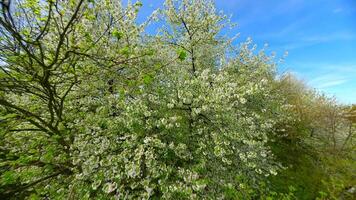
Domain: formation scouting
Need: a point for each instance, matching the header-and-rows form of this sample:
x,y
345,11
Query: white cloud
x,y
331,83
326,76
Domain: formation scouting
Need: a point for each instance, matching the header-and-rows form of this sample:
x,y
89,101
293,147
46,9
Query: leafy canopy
x,y
91,106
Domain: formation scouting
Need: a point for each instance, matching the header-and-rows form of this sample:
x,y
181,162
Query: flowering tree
x,y
54,54
93,108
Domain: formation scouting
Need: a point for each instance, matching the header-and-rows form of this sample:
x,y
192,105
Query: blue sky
x,y
319,35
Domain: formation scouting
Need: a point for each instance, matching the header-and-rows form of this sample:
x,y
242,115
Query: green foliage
x,y
317,138
92,107
182,55
302,170
117,34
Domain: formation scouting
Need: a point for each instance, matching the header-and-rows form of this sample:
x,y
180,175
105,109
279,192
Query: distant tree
x,y
316,139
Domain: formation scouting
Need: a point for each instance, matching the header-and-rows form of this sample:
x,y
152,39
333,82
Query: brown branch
x,y
64,33
47,22
29,114
191,47
25,187
25,129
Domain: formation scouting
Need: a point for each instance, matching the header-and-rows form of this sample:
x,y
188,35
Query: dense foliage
x,y
93,107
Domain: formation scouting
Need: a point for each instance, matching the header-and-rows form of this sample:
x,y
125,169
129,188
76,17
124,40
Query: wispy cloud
x,y
290,30
309,40
249,12
346,68
330,37
338,10
326,76
335,84
319,32
331,83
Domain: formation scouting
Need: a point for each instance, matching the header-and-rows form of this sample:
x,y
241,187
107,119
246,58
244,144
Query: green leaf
x,y
8,116
49,155
138,4
182,55
147,79
8,177
122,92
34,197
125,51
24,159
117,34
150,52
